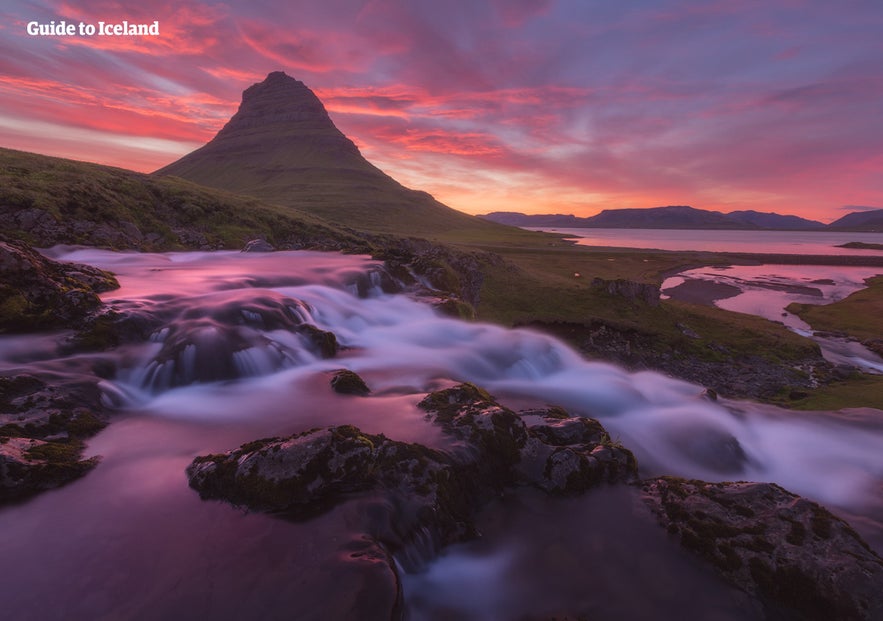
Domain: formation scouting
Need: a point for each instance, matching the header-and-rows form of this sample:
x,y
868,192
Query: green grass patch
x,y
858,315
857,392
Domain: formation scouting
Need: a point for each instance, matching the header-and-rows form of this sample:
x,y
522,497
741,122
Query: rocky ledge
x,y
793,556
36,292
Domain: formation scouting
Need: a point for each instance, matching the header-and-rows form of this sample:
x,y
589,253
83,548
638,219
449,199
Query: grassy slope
x,y
860,314
71,191
544,288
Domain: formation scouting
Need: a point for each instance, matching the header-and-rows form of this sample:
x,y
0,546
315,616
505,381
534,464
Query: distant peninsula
x,y
685,217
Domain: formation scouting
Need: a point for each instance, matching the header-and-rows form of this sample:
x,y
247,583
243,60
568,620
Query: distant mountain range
x,y
684,217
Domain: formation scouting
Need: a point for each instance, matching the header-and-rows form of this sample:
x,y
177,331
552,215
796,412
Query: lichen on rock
x,y
42,428
37,293
790,552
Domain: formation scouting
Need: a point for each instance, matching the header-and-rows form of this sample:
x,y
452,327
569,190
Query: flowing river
x,y
132,541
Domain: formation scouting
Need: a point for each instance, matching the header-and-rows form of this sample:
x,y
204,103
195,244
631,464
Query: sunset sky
x,y
519,105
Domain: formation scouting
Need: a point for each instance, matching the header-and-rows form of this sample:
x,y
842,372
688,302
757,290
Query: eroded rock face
x,y
793,554
36,292
629,289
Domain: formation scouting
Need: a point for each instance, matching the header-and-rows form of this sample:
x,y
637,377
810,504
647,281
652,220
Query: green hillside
x,y
47,200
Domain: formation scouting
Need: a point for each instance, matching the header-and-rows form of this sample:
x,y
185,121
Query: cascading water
x,y
236,352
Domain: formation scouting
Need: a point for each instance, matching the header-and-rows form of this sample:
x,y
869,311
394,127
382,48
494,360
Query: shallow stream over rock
x,y
766,290
224,348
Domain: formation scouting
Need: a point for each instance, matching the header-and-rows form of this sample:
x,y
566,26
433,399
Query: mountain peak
x,y
280,100
281,146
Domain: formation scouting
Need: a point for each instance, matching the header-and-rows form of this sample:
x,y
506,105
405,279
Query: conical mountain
x,y
282,147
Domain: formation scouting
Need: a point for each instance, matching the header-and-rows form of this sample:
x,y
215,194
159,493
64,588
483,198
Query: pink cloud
x,y
583,105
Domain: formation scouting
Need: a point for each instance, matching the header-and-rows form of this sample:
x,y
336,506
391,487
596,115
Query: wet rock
x,y
313,470
36,292
436,268
43,422
228,340
348,382
544,448
258,245
29,466
794,555
875,345
323,341
567,456
430,489
470,414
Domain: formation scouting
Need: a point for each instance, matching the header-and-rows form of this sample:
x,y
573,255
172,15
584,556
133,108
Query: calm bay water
x,y
771,242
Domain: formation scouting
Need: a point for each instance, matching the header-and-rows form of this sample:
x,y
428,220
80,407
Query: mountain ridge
x,y
685,217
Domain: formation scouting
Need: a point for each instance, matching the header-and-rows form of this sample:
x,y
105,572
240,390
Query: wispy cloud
x,y
523,104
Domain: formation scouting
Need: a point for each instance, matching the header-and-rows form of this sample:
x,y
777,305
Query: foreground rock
x,y
36,292
42,427
431,490
794,555
348,382
545,448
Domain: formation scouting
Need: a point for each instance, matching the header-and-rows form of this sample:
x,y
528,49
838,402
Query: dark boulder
x,y
801,561
348,382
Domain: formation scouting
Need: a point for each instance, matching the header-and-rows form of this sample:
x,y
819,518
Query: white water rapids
x,y
238,314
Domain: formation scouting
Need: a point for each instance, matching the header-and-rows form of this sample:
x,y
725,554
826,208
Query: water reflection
x,y
766,291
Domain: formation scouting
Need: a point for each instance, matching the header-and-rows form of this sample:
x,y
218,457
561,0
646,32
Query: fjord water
x,y
131,540
764,242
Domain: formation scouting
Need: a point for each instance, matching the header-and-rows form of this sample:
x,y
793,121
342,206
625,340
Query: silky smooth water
x,y
131,540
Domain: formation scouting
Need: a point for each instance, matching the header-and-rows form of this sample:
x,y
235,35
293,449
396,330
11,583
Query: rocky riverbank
x,y
791,555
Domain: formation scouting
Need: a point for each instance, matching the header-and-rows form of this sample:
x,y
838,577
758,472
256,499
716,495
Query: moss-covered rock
x,y
324,341
36,292
43,422
29,466
348,382
431,491
798,558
